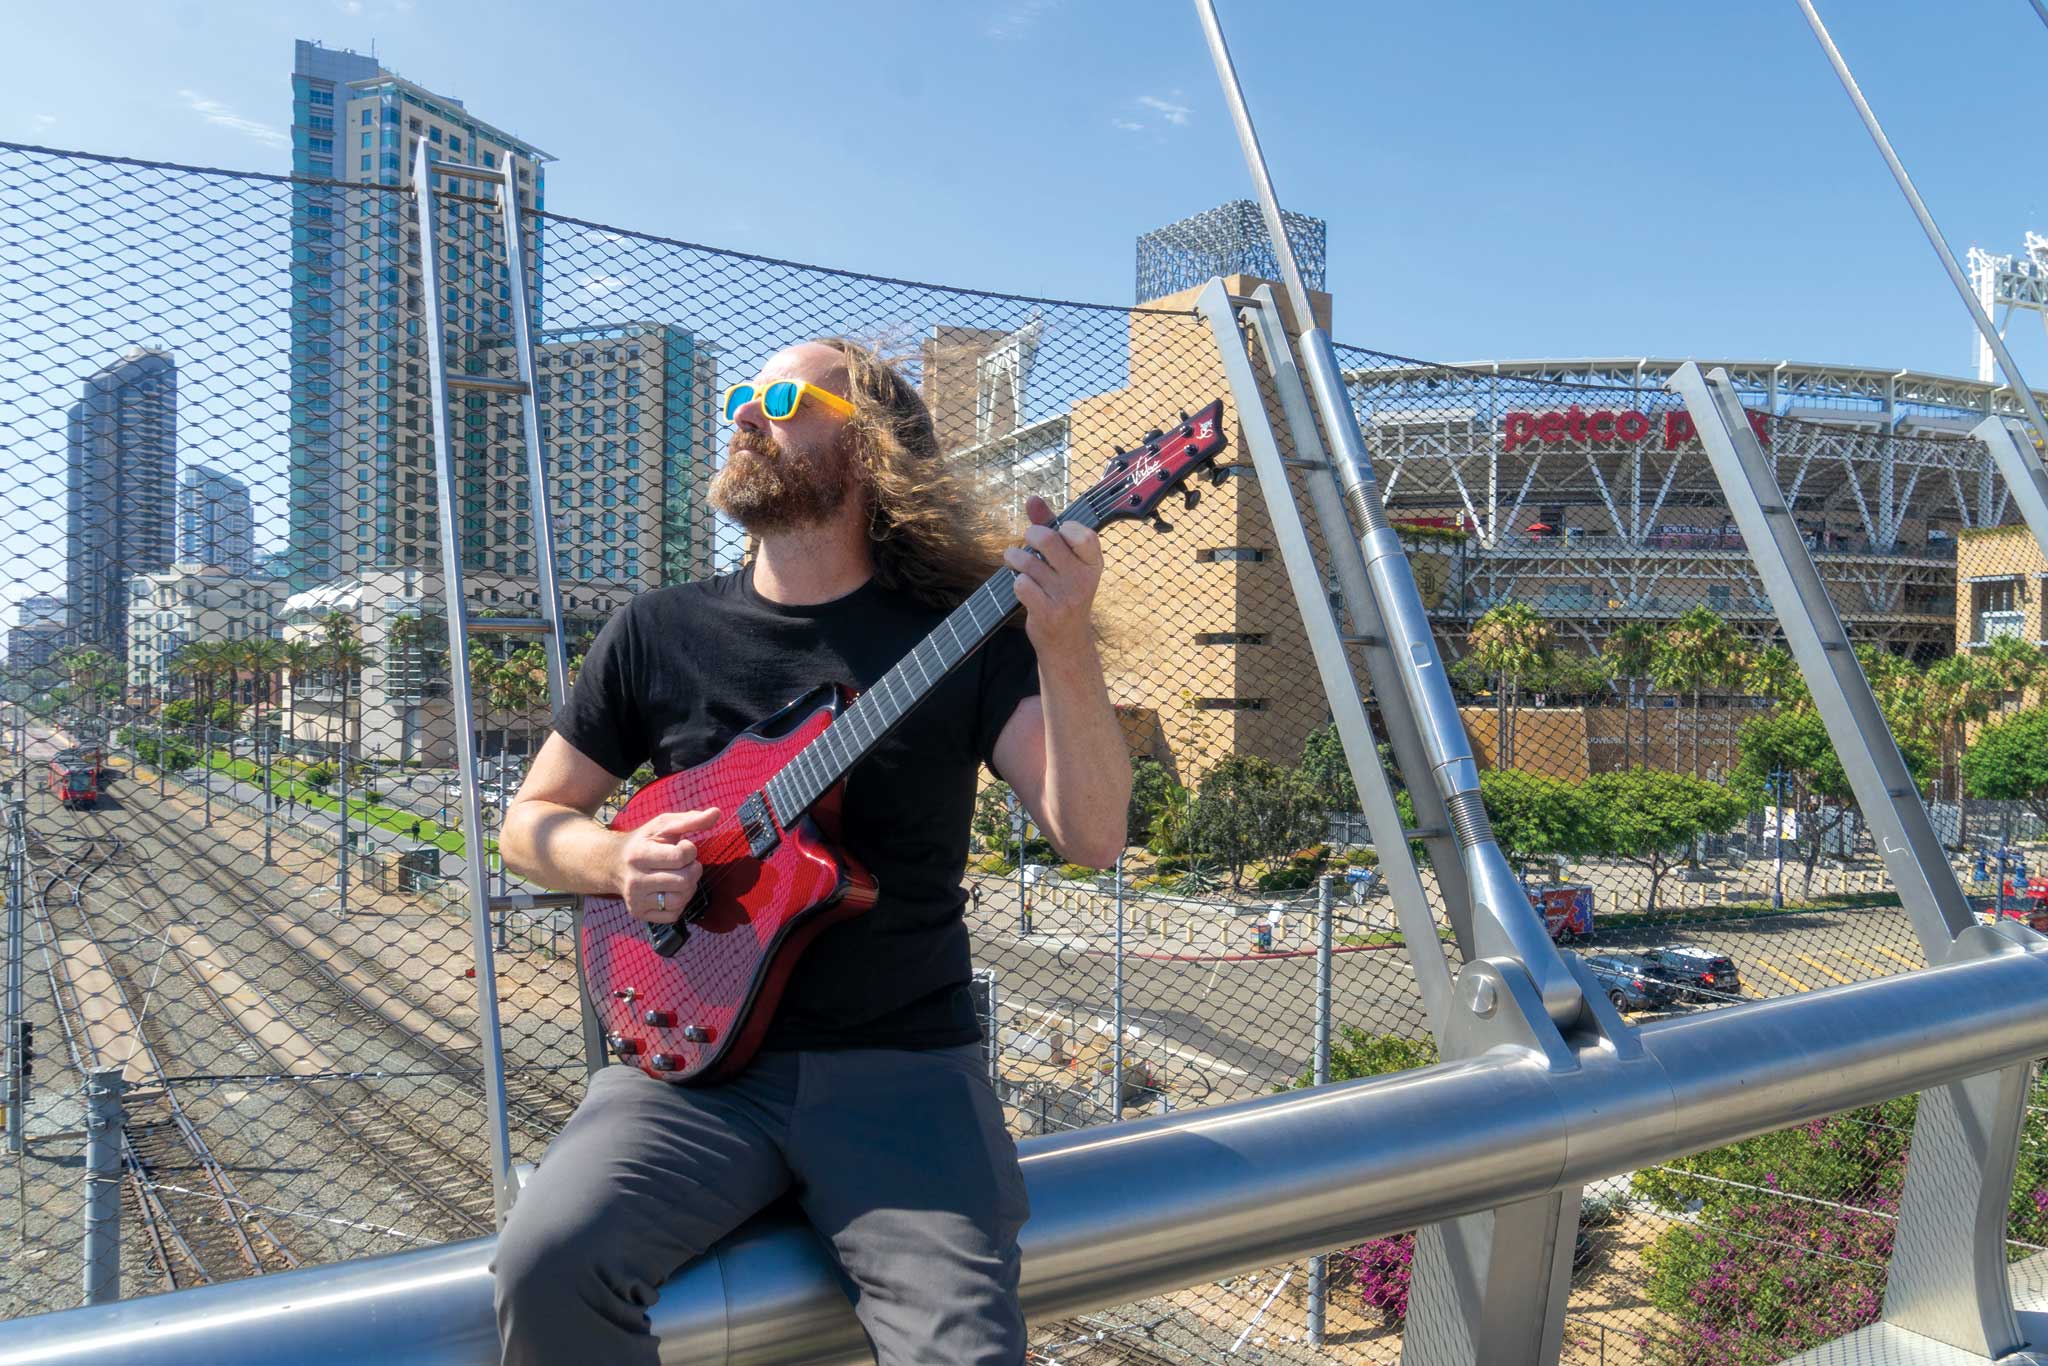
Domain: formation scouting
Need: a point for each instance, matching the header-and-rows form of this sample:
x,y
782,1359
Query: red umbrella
x,y
1539,526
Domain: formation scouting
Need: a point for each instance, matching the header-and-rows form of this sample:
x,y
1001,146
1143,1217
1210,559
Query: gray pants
x,y
899,1158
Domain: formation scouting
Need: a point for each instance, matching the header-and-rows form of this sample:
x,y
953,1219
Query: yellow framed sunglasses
x,y
781,399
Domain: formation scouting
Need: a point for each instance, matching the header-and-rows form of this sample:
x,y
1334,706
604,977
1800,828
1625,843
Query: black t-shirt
x,y
678,671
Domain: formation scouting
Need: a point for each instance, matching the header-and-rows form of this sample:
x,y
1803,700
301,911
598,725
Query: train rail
x,y
195,1222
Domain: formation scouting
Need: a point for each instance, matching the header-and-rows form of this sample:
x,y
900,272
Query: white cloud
x,y
1013,17
600,285
214,112
1127,125
351,8
42,123
1170,110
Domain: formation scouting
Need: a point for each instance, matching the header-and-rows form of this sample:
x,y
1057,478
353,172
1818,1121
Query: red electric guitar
x,y
690,1002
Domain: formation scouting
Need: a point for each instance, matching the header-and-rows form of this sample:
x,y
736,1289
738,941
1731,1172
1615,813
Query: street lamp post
x,y
1023,883
1778,779
206,765
269,797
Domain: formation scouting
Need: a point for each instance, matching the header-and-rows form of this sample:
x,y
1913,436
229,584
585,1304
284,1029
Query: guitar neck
x,y
876,712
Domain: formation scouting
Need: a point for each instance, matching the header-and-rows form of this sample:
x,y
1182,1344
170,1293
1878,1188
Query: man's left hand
x,y
1057,584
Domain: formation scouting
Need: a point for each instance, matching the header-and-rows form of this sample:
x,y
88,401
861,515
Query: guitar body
x,y
703,1009
692,1002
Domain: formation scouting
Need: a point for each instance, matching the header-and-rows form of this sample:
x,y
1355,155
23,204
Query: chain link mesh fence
x,y
229,722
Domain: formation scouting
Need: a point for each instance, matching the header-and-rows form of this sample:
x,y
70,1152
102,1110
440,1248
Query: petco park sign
x,y
1607,427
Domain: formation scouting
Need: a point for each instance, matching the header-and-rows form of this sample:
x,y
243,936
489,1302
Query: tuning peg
x,y
1160,523
1217,474
1154,434
1183,414
1190,497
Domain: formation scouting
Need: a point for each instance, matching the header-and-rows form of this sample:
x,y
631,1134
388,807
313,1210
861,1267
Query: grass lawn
x,y
371,812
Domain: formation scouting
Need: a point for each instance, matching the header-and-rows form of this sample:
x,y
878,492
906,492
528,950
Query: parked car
x,y
1630,983
1697,974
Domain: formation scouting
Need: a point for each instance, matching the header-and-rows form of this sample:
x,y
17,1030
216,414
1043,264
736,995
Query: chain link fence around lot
x,y
230,635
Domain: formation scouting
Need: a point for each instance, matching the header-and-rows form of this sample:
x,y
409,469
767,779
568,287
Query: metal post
x,y
17,1073
1319,1267
1116,1047
1985,328
162,757
269,800
206,765
341,807
103,1186
1947,1279
1017,824
1778,778
1502,922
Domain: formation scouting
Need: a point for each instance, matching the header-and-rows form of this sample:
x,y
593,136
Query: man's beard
x,y
767,490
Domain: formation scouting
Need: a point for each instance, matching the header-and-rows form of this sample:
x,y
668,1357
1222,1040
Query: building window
x,y
1230,704
1217,554
1230,638
368,115
1995,609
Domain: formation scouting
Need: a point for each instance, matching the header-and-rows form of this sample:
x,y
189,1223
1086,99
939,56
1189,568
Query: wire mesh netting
x,y
229,720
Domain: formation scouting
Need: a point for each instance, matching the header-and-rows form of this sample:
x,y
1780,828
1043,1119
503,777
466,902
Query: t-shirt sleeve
x,y
1009,674
601,718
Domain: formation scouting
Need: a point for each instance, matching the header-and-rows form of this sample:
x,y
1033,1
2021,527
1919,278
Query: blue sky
x,y
1500,180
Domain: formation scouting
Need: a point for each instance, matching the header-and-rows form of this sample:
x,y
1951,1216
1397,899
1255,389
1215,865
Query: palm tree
x,y
1510,642
1959,691
1627,651
1772,673
300,658
2013,666
1697,654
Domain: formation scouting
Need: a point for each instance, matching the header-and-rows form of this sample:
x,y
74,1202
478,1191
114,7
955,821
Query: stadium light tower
x,y
2008,282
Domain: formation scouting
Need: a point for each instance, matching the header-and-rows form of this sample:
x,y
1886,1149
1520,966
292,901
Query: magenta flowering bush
x,y
1378,1270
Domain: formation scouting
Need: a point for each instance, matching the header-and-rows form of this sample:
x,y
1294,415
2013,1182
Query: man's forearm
x,y
1087,775
560,848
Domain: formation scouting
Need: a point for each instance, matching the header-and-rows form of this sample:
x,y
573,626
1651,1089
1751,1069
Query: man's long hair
x,y
928,531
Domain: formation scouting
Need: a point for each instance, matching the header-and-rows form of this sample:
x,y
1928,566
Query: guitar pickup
x,y
759,826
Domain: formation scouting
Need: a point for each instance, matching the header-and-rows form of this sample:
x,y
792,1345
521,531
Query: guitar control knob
x,y
622,1045
625,994
659,1018
662,1062
699,1033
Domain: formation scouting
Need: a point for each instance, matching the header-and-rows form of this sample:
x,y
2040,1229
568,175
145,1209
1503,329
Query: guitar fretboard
x,y
895,694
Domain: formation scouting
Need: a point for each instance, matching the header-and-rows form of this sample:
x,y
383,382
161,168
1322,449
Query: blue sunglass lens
x,y
739,398
779,399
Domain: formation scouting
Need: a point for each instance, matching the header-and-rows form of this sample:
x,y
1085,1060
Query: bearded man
x,y
869,1103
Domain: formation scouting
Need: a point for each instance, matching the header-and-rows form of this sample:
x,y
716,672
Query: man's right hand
x,y
660,857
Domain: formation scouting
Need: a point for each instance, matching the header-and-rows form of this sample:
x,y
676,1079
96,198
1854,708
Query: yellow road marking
x,y
1765,964
1909,962
1823,967
1862,962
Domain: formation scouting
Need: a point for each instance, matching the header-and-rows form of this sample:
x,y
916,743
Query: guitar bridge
x,y
759,826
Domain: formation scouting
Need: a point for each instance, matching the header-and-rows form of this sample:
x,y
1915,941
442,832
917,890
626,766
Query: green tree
x,y
1772,673
1796,743
1150,786
1628,651
1697,654
991,826
2009,760
1536,816
1959,693
1247,810
1649,817
1509,643
2013,666
1327,772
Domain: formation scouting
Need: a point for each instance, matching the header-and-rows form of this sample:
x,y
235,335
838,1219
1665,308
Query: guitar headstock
x,y
1137,481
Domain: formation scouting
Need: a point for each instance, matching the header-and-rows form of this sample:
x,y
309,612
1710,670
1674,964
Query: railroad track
x,y
196,1224
535,1102
447,1183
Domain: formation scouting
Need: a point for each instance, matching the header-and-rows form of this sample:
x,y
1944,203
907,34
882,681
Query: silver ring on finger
x,y
661,901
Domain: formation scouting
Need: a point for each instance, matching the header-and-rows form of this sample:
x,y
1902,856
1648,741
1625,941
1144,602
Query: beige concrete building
x,y
2000,578
188,603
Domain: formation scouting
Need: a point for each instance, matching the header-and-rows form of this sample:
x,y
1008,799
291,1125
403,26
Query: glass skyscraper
x,y
121,445
361,429
215,525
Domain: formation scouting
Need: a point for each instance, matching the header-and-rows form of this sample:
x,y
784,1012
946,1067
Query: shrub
x,y
319,777
1362,858
1289,879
